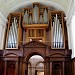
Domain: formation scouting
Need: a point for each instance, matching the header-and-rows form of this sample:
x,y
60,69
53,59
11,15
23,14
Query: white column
x,y
69,32
71,35
2,32
33,70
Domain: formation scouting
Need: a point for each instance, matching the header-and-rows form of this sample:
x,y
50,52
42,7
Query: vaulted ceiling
x,y
7,6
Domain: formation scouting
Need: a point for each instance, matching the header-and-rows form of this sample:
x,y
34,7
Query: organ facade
x,y
34,24
36,30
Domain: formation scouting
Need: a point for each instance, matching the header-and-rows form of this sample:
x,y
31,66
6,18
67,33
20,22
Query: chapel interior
x,y
37,38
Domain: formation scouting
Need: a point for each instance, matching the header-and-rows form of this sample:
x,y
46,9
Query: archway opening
x,y
36,65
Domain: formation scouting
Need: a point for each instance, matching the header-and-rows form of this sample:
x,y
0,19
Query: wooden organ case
x,y
34,23
39,30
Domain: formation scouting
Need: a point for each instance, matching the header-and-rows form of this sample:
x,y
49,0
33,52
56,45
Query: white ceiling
x,y
7,6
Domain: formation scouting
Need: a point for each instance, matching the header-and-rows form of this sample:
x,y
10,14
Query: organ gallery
x,y
36,30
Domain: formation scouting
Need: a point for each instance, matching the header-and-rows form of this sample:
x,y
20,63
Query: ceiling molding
x,y
23,4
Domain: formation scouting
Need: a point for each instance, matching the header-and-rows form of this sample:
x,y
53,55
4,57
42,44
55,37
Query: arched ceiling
x,y
7,6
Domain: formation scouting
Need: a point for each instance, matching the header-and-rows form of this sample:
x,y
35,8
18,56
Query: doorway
x,y
36,65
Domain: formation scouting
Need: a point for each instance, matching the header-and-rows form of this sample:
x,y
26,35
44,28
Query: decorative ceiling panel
x,y
7,5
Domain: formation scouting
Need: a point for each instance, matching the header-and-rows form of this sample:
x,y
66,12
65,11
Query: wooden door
x,y
57,68
11,69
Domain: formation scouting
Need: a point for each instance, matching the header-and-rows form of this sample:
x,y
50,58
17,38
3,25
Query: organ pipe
x,y
13,39
16,29
30,19
25,18
61,39
53,34
45,16
57,36
58,39
41,19
35,14
12,36
60,35
9,40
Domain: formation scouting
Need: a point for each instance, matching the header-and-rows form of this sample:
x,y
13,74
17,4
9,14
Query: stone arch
x,y
29,54
34,48
39,63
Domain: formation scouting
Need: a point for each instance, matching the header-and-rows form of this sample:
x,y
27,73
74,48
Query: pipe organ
x,y
38,23
36,30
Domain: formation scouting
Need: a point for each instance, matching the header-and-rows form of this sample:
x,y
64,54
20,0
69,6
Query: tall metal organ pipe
x,y
57,35
35,14
25,17
45,16
9,40
13,35
41,19
30,19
